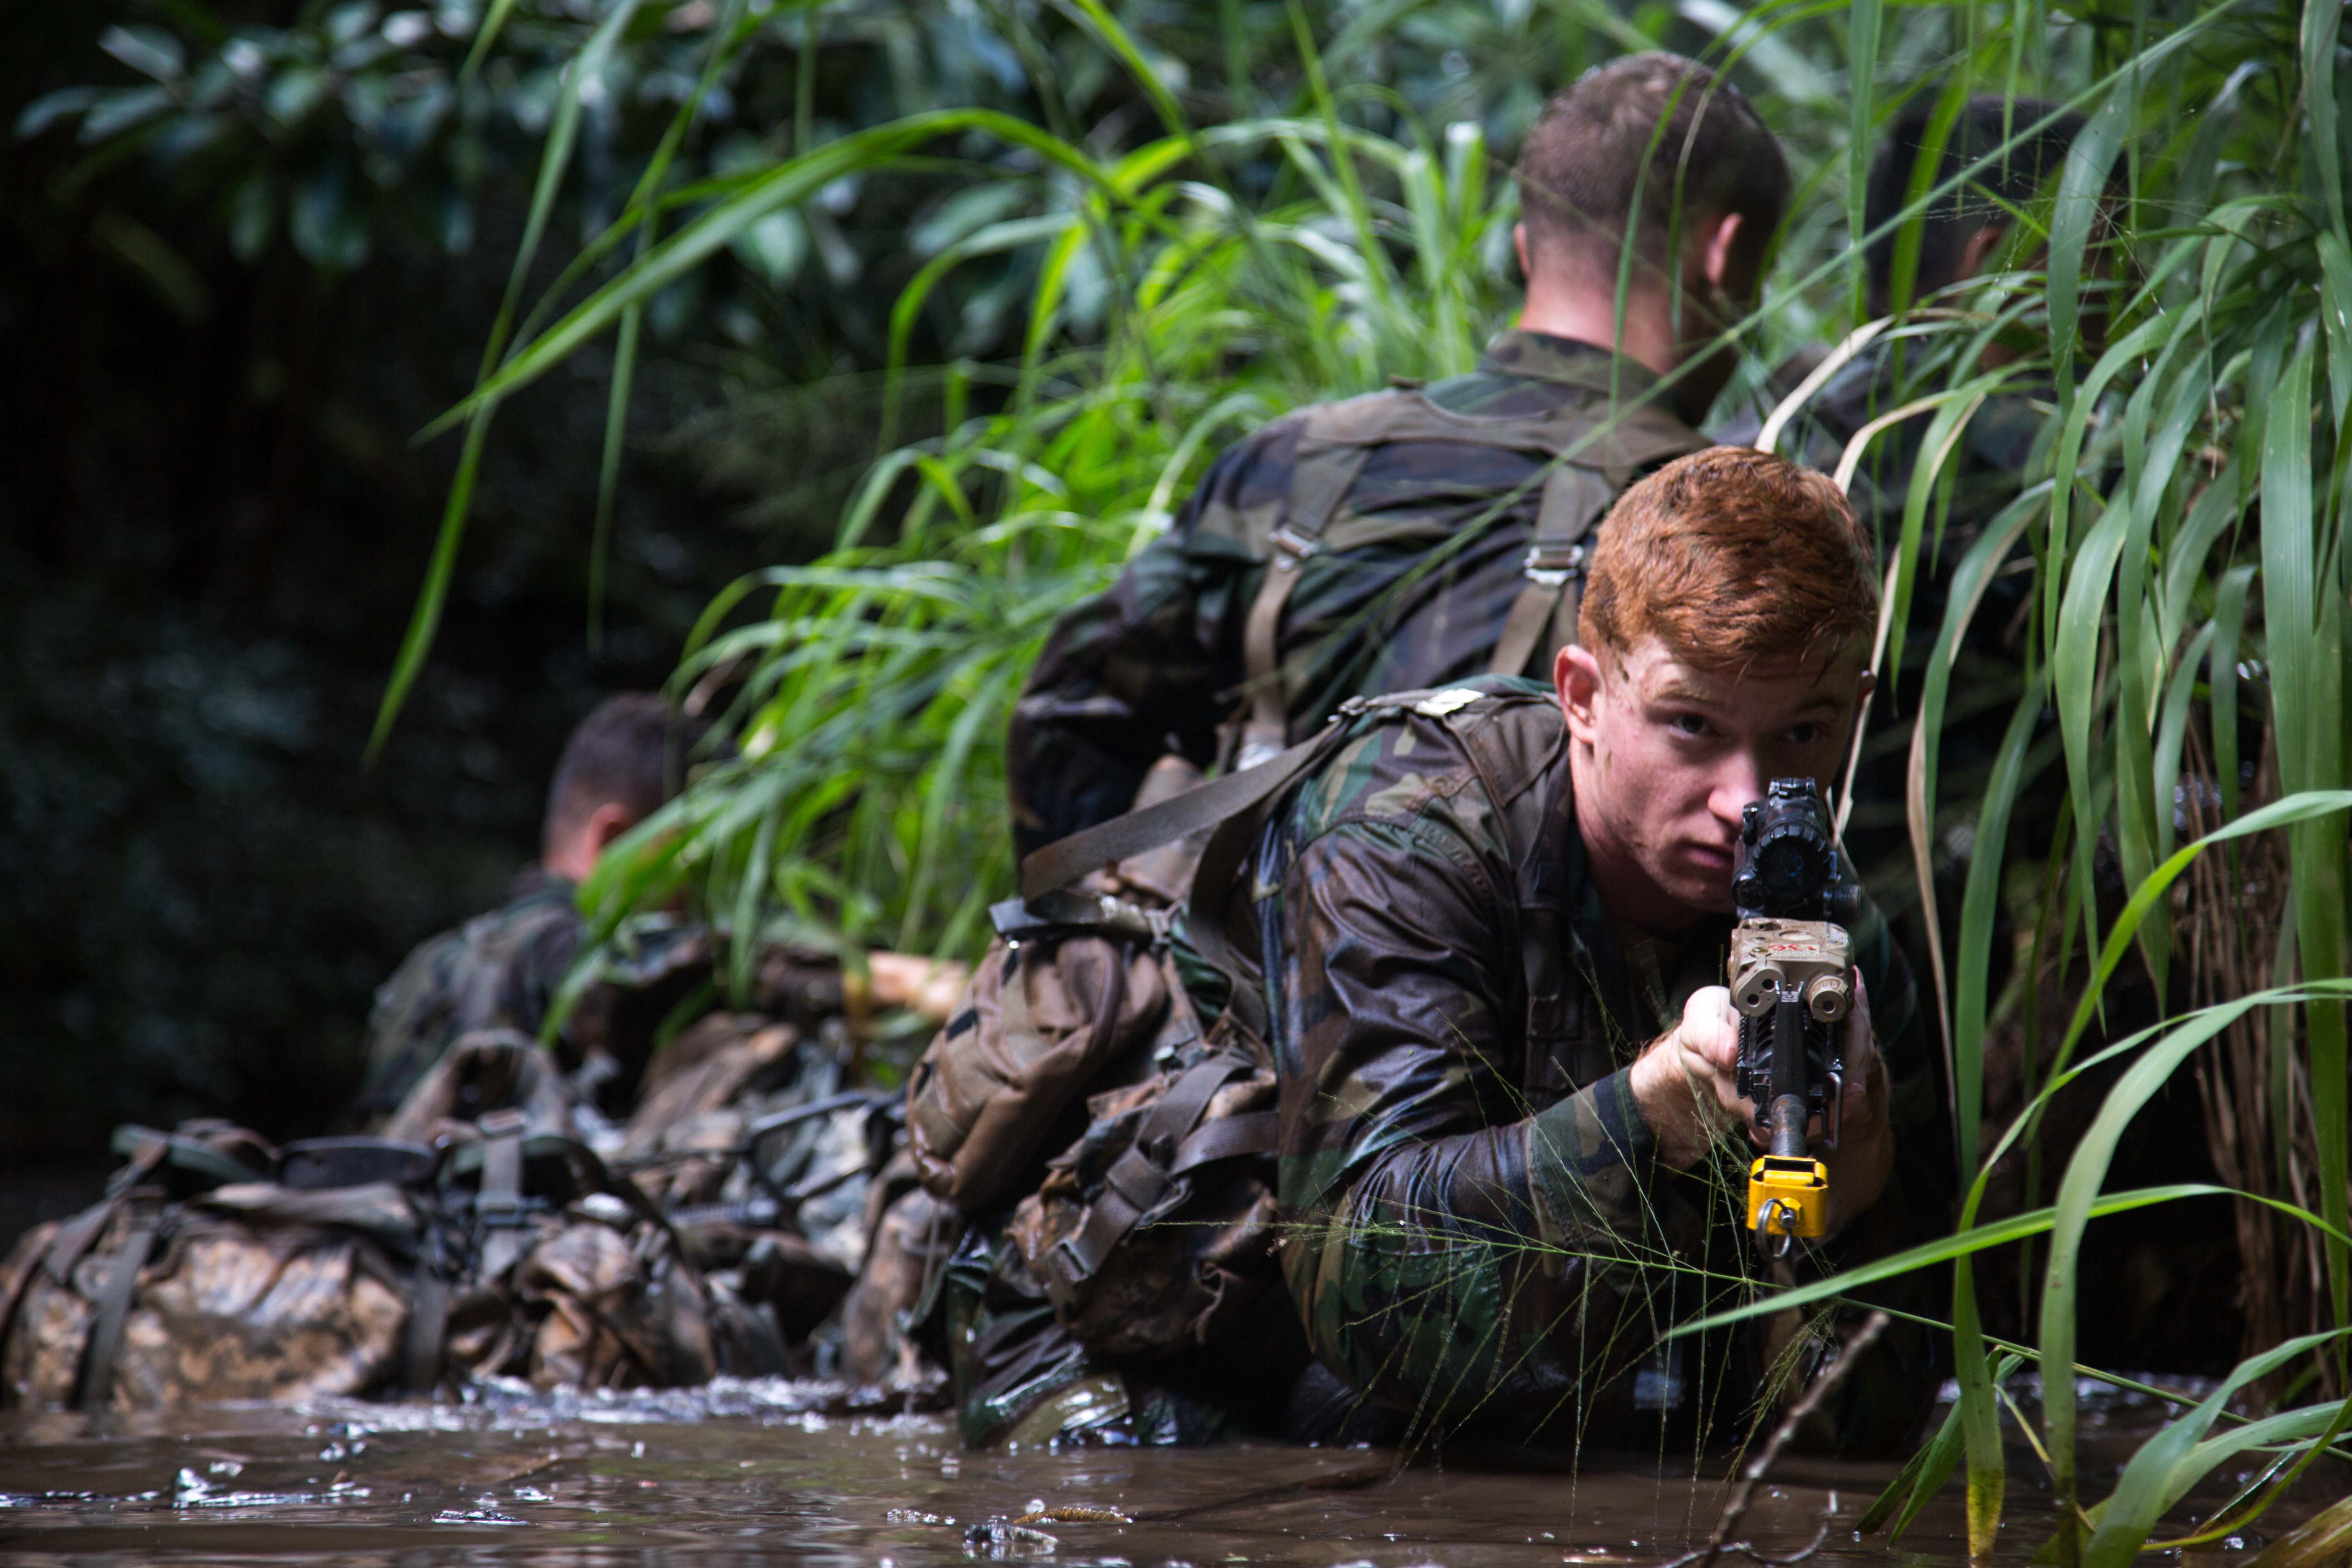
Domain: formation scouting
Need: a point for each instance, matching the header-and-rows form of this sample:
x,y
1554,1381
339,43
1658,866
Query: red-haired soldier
x,y
1495,926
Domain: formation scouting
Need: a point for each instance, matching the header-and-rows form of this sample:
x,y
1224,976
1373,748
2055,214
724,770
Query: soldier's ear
x,y
1520,244
1719,258
1979,249
1576,678
1862,690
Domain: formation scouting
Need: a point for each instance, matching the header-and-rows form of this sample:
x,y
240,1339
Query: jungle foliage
x,y
1217,213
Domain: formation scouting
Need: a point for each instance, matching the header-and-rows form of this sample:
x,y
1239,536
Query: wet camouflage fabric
x,y
1462,1244
502,970
1153,663
499,970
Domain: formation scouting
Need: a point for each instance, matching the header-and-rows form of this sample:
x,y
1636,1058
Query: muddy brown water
x,y
778,1472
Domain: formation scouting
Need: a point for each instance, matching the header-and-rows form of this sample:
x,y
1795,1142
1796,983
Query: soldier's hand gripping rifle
x,y
1792,980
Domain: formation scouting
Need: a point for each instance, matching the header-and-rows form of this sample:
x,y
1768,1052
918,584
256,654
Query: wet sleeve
x,y
1444,1243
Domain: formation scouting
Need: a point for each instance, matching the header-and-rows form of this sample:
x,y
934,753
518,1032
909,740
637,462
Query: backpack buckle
x,y
1551,565
1291,546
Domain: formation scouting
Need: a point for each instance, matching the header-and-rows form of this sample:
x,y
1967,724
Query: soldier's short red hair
x,y
1732,557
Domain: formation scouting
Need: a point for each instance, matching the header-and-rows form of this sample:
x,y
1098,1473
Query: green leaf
x,y
150,51
774,247
2196,1029
51,106
2163,1470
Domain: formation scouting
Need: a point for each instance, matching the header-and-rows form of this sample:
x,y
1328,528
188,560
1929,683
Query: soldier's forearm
x,y
1586,1158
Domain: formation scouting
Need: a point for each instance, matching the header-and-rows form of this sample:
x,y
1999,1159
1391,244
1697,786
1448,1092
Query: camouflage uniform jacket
x,y
503,970
1418,598
499,970
1478,1226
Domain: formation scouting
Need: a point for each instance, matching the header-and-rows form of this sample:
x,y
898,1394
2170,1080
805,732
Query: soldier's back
x,y
499,970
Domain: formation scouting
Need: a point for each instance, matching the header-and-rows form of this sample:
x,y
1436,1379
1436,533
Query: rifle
x,y
1791,978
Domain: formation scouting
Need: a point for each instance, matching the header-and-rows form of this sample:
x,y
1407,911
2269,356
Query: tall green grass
x,y
2179,303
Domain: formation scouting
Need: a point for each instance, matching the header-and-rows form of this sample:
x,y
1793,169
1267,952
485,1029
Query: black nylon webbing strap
x,y
427,1330
114,1311
1320,482
1256,1132
1135,1181
499,1202
1203,805
1543,616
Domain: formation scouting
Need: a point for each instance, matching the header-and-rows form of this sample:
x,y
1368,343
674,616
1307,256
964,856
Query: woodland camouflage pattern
x,y
502,970
1155,661
499,970
1466,1245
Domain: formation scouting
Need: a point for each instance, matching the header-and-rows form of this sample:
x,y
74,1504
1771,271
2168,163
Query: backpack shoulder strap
x,y
1594,456
1171,1144
1337,442
1577,493
1060,863
1543,616
104,1346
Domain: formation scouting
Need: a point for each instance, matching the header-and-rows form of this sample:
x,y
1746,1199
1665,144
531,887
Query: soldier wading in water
x,y
1411,538
1456,962
1492,927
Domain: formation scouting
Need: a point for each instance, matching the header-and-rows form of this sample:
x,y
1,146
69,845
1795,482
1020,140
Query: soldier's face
x,y
1666,754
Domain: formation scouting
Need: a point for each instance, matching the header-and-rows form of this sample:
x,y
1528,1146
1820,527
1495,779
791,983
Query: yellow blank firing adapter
x,y
1788,1197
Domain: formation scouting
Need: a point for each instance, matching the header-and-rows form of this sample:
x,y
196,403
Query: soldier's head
x,y
1723,641
619,765
1663,147
1960,231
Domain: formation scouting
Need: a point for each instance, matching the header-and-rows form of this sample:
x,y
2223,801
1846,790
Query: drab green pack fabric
x,y
1590,463
1156,1228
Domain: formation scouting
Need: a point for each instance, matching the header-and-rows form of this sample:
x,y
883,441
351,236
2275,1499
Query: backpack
x,y
1588,465
1078,1023
762,1163
1155,1227
219,1267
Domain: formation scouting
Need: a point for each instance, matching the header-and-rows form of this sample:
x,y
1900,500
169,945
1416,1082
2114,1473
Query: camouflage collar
x,y
536,881
1540,357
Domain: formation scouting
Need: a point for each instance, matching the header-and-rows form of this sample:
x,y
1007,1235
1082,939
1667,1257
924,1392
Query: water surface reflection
x,y
781,1471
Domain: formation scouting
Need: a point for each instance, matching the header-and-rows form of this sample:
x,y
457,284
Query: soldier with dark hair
x,y
1418,536
2022,145
501,970
2022,142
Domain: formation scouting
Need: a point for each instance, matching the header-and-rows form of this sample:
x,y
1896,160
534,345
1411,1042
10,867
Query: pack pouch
x,y
1039,1019
1155,1229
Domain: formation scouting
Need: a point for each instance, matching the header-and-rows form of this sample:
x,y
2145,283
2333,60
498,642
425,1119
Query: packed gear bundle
x,y
1153,1229
484,1236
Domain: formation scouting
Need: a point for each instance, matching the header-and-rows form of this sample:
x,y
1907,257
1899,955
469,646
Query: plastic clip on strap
x,y
498,1203
1543,616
